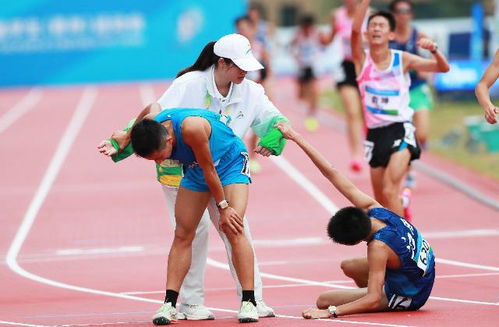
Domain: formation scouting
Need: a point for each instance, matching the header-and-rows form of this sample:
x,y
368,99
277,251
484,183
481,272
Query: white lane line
x,y
465,264
290,242
20,108
221,265
466,275
438,298
84,106
11,323
225,266
305,183
218,289
121,249
459,234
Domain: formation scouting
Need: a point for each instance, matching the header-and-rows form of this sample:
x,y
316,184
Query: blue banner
x,y
463,76
78,41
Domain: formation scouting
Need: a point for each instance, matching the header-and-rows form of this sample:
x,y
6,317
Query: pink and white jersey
x,y
385,93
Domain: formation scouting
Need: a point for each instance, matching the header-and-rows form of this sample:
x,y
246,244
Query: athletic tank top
x,y
411,47
222,138
385,93
416,255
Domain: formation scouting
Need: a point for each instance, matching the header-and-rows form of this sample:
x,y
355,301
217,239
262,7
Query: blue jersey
x,y
417,268
411,47
222,138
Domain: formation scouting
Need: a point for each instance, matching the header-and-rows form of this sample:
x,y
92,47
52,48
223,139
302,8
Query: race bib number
x,y
424,256
410,135
368,150
246,168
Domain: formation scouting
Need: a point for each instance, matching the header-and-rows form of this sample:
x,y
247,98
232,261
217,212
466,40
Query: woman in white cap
x,y
216,81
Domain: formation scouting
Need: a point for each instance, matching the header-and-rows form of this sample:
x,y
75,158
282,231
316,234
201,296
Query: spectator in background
x,y
482,90
262,28
305,46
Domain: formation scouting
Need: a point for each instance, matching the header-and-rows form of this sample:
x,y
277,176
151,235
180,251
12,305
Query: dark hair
x,y
148,136
389,17
394,3
244,18
349,226
307,20
206,58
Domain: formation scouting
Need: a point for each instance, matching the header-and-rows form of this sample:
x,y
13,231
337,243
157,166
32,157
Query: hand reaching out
x,y
287,131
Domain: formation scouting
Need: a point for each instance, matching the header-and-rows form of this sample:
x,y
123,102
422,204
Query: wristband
x,y
332,310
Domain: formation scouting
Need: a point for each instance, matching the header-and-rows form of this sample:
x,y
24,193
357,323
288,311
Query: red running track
x,y
85,240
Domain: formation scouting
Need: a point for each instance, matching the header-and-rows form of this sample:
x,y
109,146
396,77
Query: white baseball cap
x,y
238,49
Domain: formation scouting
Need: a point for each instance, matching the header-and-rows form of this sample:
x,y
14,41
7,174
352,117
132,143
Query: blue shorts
x,y
232,168
399,302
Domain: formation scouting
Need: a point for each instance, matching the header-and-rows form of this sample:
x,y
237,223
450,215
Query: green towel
x,y
127,151
273,139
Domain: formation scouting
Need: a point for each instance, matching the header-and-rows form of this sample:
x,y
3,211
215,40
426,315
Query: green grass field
x,y
449,137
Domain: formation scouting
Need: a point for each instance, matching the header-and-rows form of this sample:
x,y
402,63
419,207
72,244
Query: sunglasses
x,y
402,11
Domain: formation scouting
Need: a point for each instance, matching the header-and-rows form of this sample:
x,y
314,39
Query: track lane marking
x,y
19,109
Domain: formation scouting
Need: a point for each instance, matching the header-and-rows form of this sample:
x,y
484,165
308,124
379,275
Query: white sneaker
x,y
264,310
195,312
165,315
248,312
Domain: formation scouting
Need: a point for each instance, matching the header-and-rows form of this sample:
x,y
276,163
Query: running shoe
x,y
165,315
311,124
406,203
194,312
264,310
248,312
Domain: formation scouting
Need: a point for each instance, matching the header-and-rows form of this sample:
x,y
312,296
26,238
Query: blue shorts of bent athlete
x,y
232,168
398,302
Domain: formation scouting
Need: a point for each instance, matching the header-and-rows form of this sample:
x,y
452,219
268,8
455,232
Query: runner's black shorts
x,y
382,142
346,75
306,74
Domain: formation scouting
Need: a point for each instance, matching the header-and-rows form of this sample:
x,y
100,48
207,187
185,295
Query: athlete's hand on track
x,y
314,313
230,221
427,44
287,131
105,147
490,114
263,151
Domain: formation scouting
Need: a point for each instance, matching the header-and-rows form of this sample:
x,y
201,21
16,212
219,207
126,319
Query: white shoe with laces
x,y
195,312
248,312
264,310
165,315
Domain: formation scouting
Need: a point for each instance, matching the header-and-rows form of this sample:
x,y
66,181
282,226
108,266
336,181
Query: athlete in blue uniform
x,y
215,167
399,269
